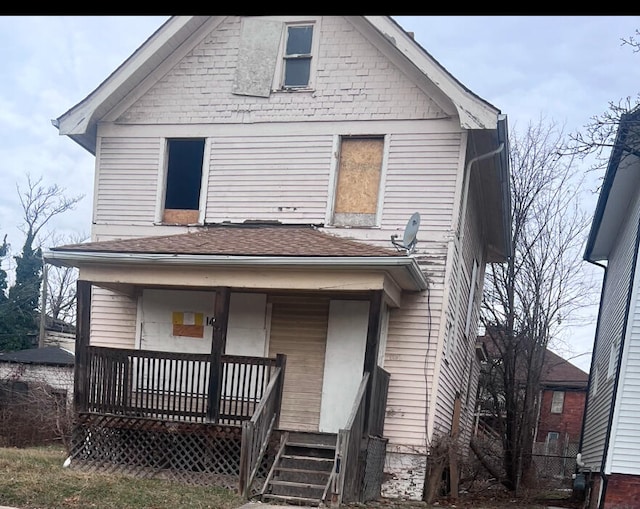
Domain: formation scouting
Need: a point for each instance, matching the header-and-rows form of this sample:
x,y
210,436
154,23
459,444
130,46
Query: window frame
x,y
163,181
335,174
279,80
555,403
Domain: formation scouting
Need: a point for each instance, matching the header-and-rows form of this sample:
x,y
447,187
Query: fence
x,y
556,459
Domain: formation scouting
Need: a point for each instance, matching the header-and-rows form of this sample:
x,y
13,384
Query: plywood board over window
x,y
358,181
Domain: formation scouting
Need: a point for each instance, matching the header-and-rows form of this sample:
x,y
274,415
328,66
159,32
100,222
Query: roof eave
x,y
405,269
474,112
591,252
79,122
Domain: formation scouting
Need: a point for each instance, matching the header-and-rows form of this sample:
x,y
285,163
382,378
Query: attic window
x,y
297,56
183,180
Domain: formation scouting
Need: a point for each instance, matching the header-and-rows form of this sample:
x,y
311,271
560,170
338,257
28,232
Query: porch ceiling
x,y
248,255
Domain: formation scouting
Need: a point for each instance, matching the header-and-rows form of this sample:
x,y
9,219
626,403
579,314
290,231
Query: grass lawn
x,y
34,478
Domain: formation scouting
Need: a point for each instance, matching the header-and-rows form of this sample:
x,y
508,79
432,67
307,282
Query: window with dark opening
x,y
184,176
297,56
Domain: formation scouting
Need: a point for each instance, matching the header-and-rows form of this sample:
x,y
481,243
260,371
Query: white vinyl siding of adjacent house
x,y
610,326
624,443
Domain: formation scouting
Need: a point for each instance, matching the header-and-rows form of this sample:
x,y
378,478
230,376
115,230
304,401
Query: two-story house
x,y
563,391
292,218
610,444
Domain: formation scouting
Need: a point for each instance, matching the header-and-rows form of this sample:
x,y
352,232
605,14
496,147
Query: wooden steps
x,y
301,470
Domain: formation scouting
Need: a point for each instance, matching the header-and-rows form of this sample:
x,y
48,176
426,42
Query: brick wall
x,y
622,492
568,422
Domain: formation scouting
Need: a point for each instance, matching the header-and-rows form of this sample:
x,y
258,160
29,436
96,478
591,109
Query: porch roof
x,y
247,245
246,239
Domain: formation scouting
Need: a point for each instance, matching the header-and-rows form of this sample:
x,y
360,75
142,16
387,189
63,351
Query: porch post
x,y
83,320
371,350
218,343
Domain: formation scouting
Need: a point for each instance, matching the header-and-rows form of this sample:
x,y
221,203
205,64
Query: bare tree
x,y
40,204
530,299
61,284
598,136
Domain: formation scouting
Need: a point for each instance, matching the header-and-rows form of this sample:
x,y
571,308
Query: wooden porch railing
x,y
256,432
378,401
346,479
172,386
348,448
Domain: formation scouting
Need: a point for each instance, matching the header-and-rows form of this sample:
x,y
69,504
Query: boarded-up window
x,y
358,182
257,56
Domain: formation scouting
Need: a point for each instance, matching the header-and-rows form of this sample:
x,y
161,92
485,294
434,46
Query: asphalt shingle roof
x,y
49,355
240,240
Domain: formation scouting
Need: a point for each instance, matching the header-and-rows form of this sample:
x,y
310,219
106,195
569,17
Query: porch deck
x,y
195,419
176,415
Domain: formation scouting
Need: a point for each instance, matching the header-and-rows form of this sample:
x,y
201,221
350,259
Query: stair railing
x,y
346,474
256,432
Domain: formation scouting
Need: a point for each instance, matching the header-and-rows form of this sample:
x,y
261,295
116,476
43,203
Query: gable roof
x,y
621,182
49,356
80,122
246,244
557,372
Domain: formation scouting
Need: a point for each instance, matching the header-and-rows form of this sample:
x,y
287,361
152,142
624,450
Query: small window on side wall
x,y
183,180
358,181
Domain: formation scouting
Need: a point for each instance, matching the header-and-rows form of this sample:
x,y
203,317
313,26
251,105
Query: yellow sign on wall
x,y
188,324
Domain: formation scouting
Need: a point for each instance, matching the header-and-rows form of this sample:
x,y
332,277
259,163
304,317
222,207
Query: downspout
x,y
461,229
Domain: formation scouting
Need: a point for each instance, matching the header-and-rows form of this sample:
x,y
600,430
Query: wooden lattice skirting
x,y
192,453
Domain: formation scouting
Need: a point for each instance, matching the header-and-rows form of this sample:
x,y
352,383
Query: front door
x,y
299,330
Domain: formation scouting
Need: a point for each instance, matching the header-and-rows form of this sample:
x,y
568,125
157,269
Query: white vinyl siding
x,y
624,447
113,319
282,178
611,323
126,180
421,177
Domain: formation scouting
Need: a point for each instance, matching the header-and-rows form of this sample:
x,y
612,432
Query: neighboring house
x,y
610,445
561,400
52,366
59,333
315,186
563,390
36,396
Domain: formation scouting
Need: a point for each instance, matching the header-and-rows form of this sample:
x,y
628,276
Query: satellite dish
x,y
409,237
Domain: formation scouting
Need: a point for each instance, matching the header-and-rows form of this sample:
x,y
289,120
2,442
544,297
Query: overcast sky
x,y
565,69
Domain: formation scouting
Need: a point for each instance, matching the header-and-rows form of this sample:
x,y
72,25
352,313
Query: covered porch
x,y
268,349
